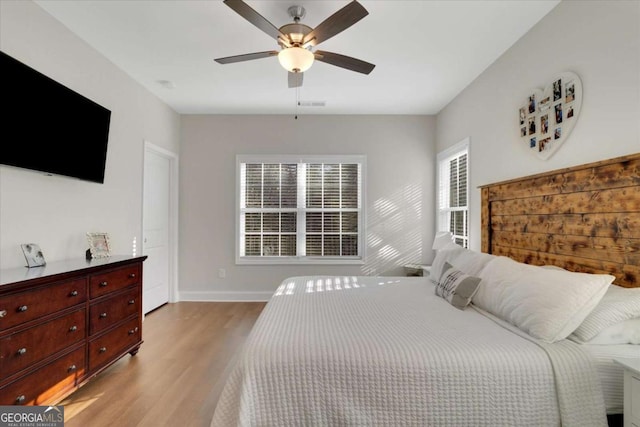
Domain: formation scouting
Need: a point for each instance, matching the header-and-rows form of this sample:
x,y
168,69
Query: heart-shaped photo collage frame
x,y
548,116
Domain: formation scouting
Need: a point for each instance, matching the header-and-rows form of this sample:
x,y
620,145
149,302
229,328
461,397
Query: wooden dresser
x,y
63,323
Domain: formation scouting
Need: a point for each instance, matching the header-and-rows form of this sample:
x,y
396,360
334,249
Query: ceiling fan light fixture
x,y
295,59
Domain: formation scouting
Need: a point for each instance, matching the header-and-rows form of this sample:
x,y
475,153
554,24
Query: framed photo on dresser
x,y
33,254
99,246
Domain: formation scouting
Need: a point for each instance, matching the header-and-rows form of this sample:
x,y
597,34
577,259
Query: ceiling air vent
x,y
312,103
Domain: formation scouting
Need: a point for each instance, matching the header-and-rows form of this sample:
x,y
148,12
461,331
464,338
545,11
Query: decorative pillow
x,y
548,304
626,332
617,305
467,261
456,287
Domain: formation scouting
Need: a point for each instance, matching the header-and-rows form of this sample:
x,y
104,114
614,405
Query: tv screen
x,y
48,127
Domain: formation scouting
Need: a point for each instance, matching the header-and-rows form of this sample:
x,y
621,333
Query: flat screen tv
x,y
48,127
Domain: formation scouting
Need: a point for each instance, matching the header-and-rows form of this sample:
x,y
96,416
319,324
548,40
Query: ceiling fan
x,y
296,40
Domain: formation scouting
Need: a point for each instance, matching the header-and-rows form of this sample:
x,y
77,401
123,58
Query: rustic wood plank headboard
x,y
584,218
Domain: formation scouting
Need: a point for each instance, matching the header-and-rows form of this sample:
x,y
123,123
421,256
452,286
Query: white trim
x,y
297,158
360,159
238,198
298,261
173,214
214,296
444,156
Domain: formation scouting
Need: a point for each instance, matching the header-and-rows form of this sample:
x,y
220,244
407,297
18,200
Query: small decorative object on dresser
x,y
33,254
99,246
631,390
61,327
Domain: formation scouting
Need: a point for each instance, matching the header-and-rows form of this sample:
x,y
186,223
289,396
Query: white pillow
x,y
443,255
547,304
625,332
617,305
465,260
553,267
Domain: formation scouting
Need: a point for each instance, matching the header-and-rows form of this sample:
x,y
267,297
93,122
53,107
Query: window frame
x,y
443,224
302,260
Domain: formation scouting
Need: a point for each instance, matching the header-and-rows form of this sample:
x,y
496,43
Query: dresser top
x,y
22,274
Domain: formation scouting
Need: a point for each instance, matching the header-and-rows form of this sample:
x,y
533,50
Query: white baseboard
x,y
215,296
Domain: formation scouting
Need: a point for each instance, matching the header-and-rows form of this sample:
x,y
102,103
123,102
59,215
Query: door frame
x,y
173,213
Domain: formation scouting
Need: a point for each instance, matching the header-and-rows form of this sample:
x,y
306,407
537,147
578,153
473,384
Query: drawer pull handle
x,y
20,399
22,308
102,349
73,328
133,331
132,301
103,284
132,275
74,293
22,351
3,313
72,368
103,315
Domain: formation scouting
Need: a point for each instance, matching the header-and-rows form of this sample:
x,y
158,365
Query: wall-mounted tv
x,y
48,127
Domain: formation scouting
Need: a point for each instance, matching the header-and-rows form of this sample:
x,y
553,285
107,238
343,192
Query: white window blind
x,y
300,210
453,188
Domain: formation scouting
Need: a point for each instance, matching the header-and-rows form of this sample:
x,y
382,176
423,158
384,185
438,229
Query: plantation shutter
x,y
453,193
332,210
304,210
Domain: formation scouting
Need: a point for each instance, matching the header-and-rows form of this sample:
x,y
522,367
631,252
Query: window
x,y
294,210
453,199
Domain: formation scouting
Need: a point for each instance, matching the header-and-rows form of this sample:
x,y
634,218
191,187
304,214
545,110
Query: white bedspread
x,y
610,373
369,351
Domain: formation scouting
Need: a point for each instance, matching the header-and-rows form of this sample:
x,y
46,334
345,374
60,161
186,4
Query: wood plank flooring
x,y
176,377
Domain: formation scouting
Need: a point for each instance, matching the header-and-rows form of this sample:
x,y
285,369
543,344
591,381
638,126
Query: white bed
x,y
334,351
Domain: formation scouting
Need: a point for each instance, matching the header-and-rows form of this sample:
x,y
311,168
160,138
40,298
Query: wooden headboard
x,y
584,218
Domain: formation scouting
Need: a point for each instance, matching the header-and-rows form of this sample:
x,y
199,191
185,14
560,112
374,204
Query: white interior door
x,y
156,241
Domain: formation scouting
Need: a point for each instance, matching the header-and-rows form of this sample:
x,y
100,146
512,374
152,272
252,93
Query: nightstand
x,y
418,270
631,391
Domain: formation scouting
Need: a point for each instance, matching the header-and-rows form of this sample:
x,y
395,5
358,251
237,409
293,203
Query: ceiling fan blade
x,y
295,79
336,23
246,57
343,61
248,13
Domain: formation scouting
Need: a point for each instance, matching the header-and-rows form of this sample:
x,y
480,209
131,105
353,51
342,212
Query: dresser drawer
x,y
20,350
29,305
101,284
113,310
103,349
47,382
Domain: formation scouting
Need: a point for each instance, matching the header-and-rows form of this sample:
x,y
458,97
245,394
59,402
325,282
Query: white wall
x,y
56,212
598,40
400,193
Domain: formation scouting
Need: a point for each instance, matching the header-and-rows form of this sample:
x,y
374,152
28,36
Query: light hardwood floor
x,y
176,377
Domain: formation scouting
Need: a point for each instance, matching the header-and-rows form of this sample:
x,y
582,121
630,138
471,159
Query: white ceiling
x,y
426,52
